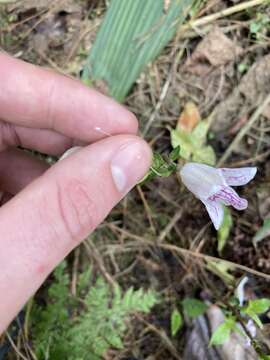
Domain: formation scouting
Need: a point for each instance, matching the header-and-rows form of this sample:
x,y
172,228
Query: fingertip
x,y
119,119
129,121
130,163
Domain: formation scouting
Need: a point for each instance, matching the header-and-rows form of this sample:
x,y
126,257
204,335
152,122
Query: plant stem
x,y
223,13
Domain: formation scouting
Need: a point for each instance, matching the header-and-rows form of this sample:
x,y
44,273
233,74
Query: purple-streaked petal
x,y
215,211
227,196
238,176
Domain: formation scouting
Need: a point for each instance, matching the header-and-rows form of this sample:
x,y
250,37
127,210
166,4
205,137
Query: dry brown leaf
x,y
189,117
255,84
253,88
216,49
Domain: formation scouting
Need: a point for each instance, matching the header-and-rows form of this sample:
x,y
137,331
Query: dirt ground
x,y
223,67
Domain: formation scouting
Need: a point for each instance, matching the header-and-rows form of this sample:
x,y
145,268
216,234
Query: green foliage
x,y
162,166
7,1
193,307
242,67
264,357
236,318
263,232
255,308
223,331
84,328
132,34
176,322
50,323
192,144
259,26
222,269
225,229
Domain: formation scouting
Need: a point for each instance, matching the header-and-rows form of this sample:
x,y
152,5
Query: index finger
x,y
34,97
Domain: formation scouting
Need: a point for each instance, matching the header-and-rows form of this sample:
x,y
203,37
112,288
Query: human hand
x,y
54,209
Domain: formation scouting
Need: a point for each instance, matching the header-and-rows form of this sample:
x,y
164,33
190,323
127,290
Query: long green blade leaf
x,y
132,34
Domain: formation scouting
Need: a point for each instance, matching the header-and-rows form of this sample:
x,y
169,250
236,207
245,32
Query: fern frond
x,y
98,327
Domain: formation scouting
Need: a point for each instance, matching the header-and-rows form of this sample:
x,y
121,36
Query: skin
x,y
46,212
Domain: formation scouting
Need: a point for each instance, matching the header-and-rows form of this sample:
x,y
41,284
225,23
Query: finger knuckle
x,y
77,209
8,135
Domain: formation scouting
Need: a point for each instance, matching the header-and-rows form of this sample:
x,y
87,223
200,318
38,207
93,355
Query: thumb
x,y
44,222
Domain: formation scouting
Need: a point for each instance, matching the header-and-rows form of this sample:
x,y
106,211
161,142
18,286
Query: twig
x,y
75,271
169,227
15,347
255,116
147,209
159,103
27,318
213,258
81,35
162,335
251,160
51,62
146,243
223,13
165,88
92,252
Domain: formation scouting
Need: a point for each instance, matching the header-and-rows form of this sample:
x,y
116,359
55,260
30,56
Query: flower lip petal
x,y
212,187
238,176
215,211
227,196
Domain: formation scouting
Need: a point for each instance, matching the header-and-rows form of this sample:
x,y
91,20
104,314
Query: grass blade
x,y
132,34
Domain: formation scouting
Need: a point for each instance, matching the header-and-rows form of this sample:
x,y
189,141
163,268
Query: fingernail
x,y
130,164
69,152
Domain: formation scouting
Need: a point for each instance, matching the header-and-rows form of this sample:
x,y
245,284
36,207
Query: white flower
x,y
240,290
212,187
252,330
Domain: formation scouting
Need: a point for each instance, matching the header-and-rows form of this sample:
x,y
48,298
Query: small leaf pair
x,y
162,166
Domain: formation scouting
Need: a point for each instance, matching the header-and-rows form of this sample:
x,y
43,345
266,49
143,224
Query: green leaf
x,y
175,154
84,280
254,27
224,230
255,318
193,307
176,322
255,307
161,167
205,155
259,306
65,329
192,144
199,133
132,34
223,332
262,233
182,139
264,357
221,268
